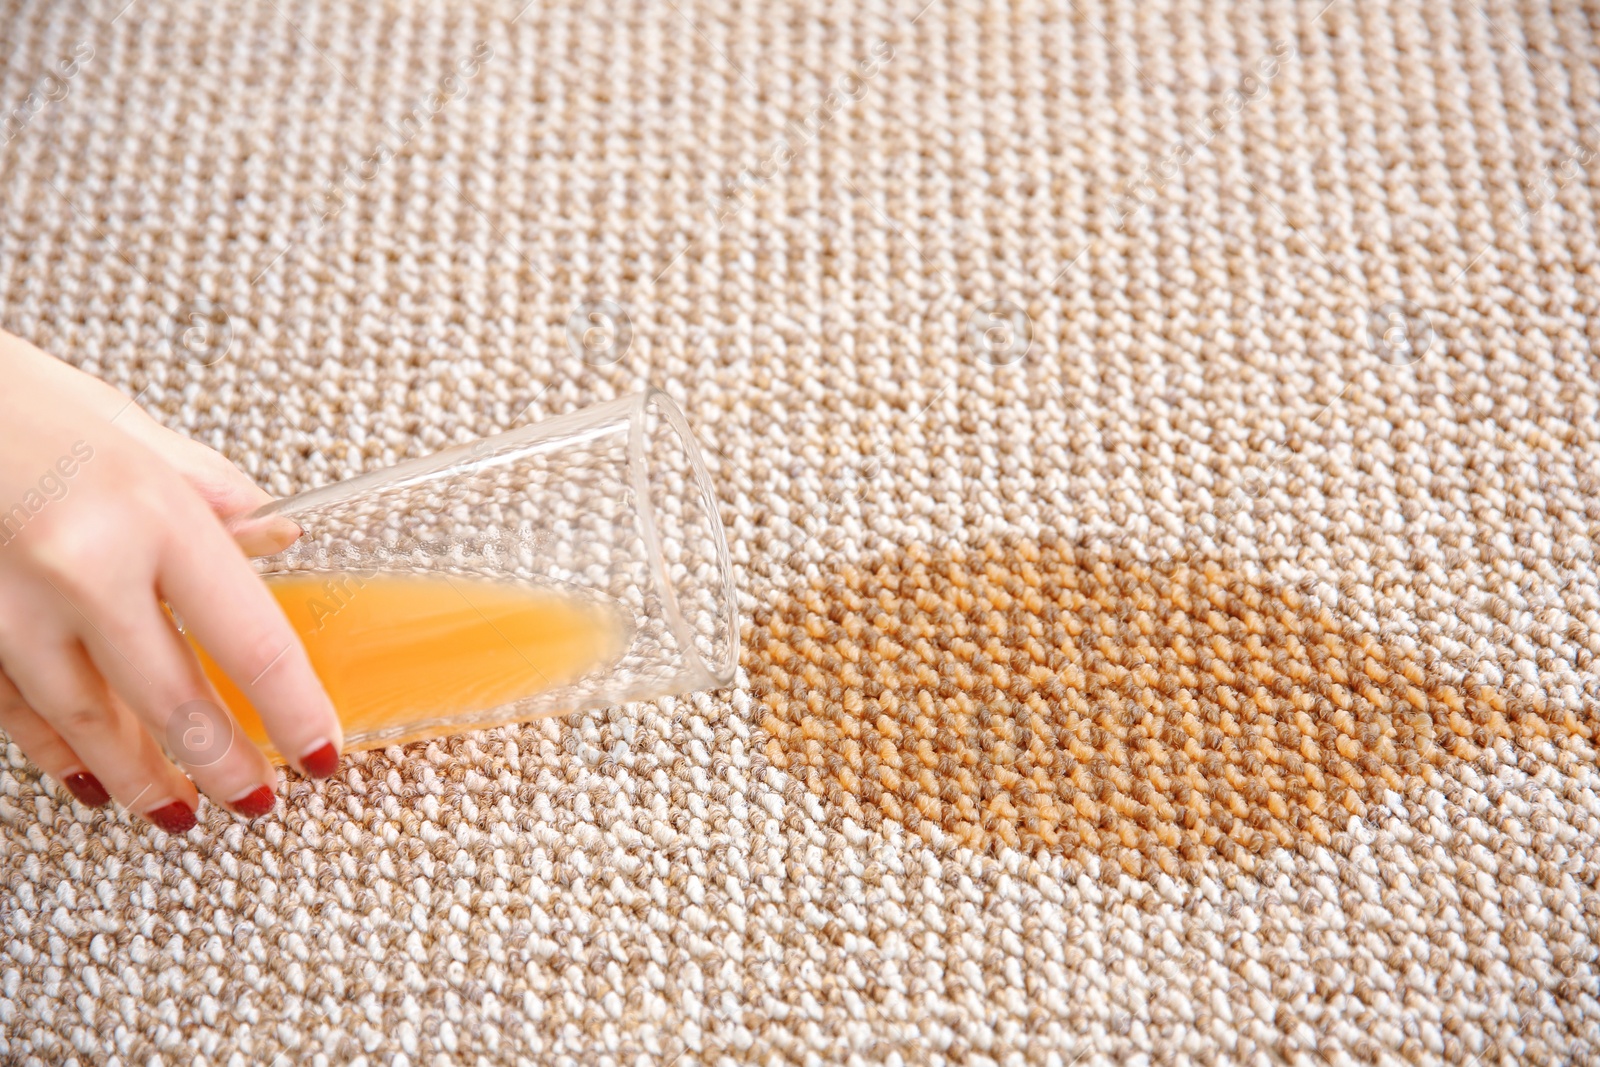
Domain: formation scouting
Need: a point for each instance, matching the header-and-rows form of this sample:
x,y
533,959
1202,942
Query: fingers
x,y
98,678
226,490
55,678
148,663
234,616
45,747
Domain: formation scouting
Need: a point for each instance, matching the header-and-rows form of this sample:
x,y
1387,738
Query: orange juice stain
x,y
402,653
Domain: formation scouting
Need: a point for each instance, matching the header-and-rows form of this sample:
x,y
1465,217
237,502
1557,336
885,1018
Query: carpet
x,y
1160,450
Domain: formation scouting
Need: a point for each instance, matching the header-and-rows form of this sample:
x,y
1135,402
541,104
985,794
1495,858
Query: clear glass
x,y
574,563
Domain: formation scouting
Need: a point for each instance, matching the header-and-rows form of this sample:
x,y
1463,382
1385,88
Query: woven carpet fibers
x,y
1159,443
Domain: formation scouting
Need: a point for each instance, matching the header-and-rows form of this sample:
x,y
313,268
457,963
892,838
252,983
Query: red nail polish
x,y
255,803
321,763
87,788
174,818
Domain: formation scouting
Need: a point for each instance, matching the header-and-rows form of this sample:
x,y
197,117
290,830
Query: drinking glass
x,y
599,527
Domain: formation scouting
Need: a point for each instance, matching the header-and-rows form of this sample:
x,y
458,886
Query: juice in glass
x,y
406,655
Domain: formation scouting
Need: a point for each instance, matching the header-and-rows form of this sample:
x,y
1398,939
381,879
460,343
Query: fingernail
x,y
321,761
255,803
87,788
174,818
265,537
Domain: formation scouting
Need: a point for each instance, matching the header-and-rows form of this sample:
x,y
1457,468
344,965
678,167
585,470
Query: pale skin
x,y
106,516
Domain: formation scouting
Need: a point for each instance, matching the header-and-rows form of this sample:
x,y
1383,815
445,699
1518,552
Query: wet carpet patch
x,y
1038,694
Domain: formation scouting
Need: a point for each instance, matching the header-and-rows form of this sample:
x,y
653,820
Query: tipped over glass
x,y
574,563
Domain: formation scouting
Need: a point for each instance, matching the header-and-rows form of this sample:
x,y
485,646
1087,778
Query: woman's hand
x,y
105,515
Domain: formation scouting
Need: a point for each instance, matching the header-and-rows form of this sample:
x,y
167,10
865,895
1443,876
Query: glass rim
x,y
719,674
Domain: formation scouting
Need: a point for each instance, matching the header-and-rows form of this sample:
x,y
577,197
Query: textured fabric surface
x,y
1158,442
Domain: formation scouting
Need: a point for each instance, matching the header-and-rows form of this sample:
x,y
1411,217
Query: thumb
x,y
227,490
224,487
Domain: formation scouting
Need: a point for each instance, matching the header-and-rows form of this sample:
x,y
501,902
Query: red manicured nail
x,y
321,762
174,818
255,803
87,788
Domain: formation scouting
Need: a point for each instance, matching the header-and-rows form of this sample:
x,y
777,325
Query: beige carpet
x,y
1159,442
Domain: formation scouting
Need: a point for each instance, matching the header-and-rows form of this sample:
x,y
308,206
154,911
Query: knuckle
x,y
81,718
257,649
156,702
87,548
80,552
266,652
62,546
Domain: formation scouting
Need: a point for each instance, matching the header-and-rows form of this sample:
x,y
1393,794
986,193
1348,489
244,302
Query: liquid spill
x,y
1037,695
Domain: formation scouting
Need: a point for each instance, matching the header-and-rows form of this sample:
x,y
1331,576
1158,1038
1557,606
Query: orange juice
x,y
399,652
